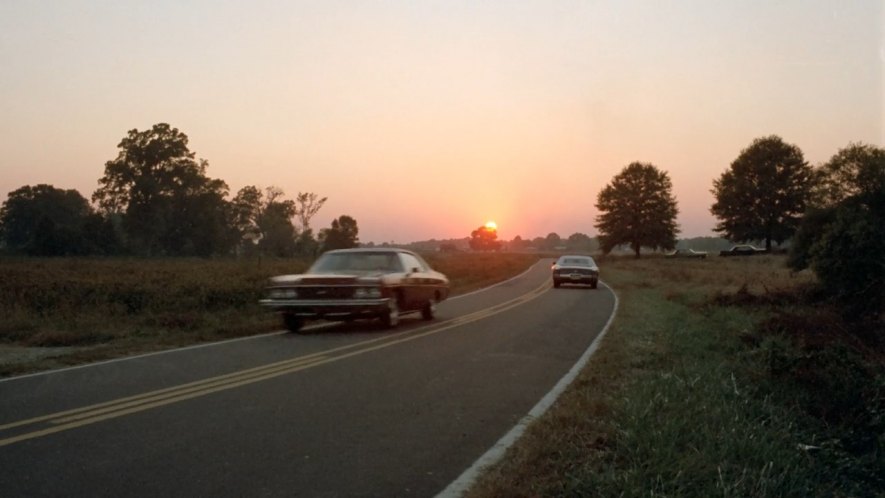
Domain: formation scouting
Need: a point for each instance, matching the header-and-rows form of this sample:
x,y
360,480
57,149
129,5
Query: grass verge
x,y
706,385
67,311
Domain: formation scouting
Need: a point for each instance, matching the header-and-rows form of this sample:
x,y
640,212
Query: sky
x,y
426,119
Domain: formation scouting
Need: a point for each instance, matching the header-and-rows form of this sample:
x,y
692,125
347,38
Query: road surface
x,y
350,410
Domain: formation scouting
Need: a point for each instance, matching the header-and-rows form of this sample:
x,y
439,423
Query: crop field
x,y
719,377
59,312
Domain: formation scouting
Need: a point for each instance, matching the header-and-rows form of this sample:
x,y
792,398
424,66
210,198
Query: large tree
x,y
343,234
764,193
637,208
163,195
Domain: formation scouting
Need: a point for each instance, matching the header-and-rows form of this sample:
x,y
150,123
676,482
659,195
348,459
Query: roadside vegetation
x,y
719,377
65,311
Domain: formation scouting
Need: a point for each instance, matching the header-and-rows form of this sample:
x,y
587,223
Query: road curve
x,y
346,411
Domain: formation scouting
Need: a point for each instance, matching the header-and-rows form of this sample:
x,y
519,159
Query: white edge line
x,y
226,341
460,485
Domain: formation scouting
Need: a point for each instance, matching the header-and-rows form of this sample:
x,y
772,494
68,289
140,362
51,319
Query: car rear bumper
x,y
576,279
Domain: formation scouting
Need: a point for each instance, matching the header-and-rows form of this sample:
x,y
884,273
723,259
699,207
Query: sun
x,y
491,225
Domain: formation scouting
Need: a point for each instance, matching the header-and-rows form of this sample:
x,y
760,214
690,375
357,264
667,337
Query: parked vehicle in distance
x,y
348,284
686,253
742,250
575,270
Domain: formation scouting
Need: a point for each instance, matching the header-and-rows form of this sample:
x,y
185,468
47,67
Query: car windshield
x,y
357,262
576,262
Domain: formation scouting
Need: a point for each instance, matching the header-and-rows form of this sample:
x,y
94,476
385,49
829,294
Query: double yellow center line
x,y
78,417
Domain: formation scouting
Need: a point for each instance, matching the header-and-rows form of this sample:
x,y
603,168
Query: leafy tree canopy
x,y
764,193
28,206
264,220
484,239
168,204
637,208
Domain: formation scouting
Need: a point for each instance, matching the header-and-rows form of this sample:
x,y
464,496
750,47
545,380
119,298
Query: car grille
x,y
325,292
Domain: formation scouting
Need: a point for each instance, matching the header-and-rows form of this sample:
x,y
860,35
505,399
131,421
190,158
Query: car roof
x,y
369,249
574,256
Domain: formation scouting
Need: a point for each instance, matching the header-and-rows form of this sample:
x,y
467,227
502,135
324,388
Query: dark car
x,y
686,253
358,283
575,270
742,250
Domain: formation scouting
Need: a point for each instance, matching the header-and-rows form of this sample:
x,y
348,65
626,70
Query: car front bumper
x,y
332,309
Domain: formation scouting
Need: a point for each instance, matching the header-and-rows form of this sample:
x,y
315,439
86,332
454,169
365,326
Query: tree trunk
x,y
636,248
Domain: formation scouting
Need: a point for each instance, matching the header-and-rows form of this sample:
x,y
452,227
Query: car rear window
x,y
576,261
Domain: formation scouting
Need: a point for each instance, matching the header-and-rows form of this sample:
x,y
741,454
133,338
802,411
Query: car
x,y
348,284
686,253
575,270
742,250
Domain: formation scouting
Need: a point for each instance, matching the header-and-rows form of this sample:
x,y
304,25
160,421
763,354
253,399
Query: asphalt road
x,y
347,411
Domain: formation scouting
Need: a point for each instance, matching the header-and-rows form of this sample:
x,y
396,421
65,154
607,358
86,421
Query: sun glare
x,y
491,225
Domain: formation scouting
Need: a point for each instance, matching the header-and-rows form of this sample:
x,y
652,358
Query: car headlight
x,y
367,293
283,293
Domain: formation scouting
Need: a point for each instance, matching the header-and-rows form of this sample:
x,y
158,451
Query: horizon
x,y
426,121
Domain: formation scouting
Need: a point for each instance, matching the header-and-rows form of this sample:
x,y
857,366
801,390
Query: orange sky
x,y
427,119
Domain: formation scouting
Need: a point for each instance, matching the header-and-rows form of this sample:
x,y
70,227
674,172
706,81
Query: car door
x,y
416,290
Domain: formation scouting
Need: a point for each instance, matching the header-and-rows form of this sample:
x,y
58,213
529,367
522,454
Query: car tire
x,y
390,319
428,312
556,284
593,285
292,323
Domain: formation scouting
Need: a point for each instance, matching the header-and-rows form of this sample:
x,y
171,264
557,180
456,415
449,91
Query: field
x,y
719,377
60,312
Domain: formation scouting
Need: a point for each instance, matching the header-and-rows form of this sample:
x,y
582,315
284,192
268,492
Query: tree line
x,y
155,199
833,214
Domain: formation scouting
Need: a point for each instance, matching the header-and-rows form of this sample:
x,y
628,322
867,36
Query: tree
x,y
342,235
764,193
306,206
637,208
46,221
858,170
163,195
552,241
265,217
841,240
484,238
579,242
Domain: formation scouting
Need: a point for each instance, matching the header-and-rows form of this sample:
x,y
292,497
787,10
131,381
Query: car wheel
x,y
593,284
556,284
293,323
428,312
391,318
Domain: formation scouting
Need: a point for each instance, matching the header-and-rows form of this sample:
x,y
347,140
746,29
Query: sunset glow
x,y
524,109
491,225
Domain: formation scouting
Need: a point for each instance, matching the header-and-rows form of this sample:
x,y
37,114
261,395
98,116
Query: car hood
x,y
326,279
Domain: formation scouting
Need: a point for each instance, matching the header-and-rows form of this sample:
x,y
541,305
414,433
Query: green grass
x,y
685,397
59,312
